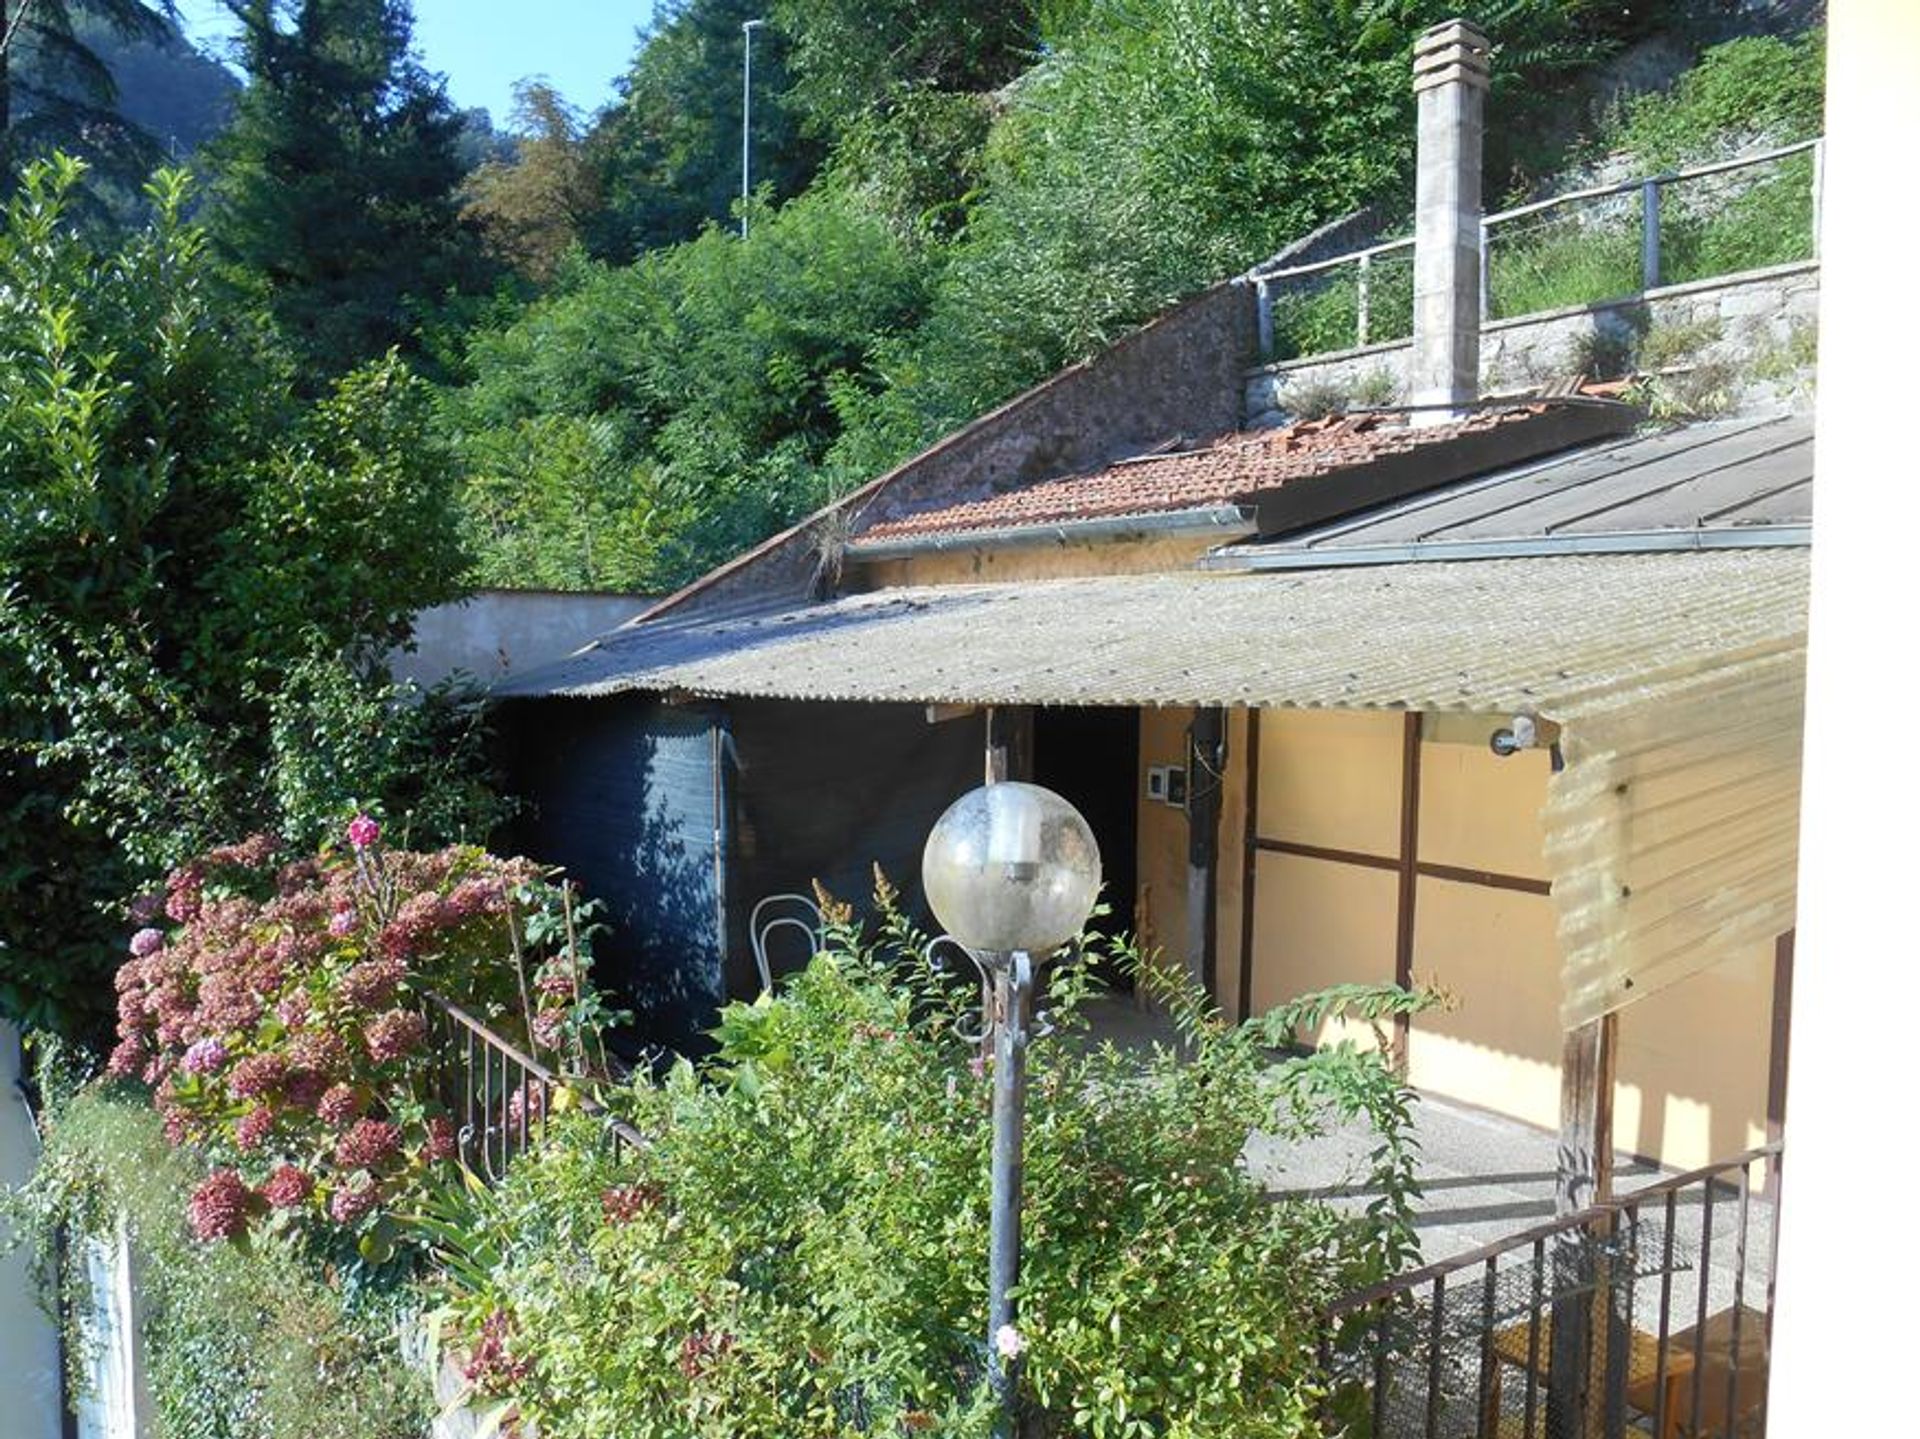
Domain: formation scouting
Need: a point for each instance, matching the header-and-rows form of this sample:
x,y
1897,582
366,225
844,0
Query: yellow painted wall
x,y
1037,562
1162,855
1693,1059
1331,778
1161,912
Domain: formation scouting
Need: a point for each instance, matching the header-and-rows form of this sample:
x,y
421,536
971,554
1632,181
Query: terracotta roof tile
x,y
1230,470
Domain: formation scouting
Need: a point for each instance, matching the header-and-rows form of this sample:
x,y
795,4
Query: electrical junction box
x,y
1157,783
1176,786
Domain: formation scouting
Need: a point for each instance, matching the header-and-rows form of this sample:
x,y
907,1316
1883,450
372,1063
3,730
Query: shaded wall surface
x,y
627,793
680,818
827,792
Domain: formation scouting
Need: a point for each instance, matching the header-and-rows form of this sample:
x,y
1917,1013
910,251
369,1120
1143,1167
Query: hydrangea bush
x,y
278,1009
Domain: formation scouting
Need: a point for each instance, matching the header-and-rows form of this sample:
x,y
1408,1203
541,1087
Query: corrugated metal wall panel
x,y
1673,832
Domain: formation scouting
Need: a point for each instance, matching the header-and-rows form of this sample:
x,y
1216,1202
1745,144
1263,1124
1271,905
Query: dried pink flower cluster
x,y
218,1208
369,1144
251,1129
353,1202
396,1033
363,832
339,1106
370,983
287,1187
443,1141
271,1029
256,1075
490,1364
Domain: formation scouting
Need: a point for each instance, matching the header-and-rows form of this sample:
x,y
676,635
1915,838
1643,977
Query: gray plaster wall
x,y
1749,323
494,633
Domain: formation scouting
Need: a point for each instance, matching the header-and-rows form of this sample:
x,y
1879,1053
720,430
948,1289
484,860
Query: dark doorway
x,y
1092,757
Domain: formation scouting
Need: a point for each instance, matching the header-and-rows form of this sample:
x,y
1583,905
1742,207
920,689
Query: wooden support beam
x,y
1580,1292
1250,864
1409,877
1586,1116
1206,778
1009,743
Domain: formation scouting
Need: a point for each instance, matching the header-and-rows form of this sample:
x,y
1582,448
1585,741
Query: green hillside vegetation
x,y
1744,95
980,194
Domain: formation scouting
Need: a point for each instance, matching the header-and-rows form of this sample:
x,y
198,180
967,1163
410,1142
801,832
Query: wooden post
x,y
1410,733
1206,776
1585,1177
1009,743
1249,863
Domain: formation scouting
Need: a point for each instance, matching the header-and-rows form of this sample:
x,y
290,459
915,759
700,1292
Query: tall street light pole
x,y
747,27
1012,872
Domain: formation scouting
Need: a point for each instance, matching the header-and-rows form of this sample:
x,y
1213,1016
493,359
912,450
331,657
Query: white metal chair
x,y
775,913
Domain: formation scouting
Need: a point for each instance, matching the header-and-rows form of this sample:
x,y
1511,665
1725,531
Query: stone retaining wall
x,y
1753,324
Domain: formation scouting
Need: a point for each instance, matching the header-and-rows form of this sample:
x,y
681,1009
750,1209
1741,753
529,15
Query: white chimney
x,y
1450,81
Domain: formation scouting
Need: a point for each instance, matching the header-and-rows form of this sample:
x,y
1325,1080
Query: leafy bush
x,y
1757,88
175,537
264,1342
640,425
801,1248
284,1027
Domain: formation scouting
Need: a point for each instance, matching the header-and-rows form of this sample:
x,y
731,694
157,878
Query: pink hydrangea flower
x,y
287,1187
128,1058
397,1032
1010,1342
341,924
369,1143
363,832
251,1129
443,1141
256,1075
218,1208
370,983
351,1203
338,1105
204,1056
145,942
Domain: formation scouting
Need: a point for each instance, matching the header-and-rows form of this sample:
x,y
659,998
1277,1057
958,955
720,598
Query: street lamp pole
x,y
1011,871
747,27
1013,1024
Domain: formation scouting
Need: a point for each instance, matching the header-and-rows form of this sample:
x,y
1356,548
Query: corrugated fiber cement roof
x,y
1484,635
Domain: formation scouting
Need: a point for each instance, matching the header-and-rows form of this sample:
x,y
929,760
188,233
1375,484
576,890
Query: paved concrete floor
x,y
1486,1177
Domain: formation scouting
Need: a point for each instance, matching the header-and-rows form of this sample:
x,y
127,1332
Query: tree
x,y
640,424
334,190
179,547
669,152
55,91
531,205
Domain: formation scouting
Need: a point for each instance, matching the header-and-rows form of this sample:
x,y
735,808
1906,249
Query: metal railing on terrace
x,y
1648,1314
500,1097
1585,247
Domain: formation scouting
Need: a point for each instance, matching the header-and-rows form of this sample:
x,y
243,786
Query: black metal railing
x,y
500,1097
1648,1314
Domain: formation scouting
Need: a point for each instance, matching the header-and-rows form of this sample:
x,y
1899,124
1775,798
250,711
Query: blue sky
x,y
483,46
